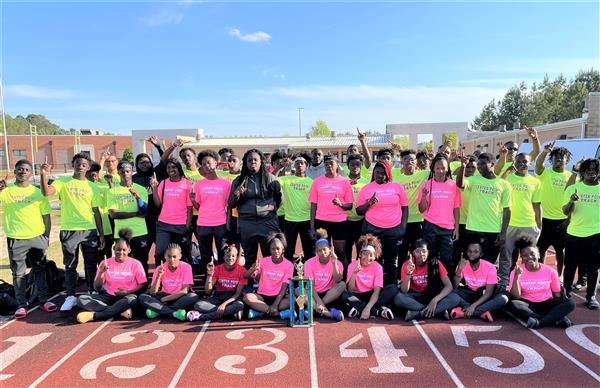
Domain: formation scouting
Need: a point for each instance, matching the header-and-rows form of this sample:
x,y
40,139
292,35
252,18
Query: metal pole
x,y
4,126
31,130
300,121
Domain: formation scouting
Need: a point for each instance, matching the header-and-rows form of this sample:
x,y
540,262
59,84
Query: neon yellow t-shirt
x,y
77,199
525,191
553,186
192,176
488,199
120,199
102,190
23,211
585,218
411,184
295,197
364,171
455,165
360,183
464,207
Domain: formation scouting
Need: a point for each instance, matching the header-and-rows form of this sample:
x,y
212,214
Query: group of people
x,y
446,235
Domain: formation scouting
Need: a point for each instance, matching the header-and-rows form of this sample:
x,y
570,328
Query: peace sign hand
x,y
549,147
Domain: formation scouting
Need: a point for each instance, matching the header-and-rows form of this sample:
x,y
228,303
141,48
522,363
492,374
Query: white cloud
x,y
32,91
541,66
163,17
255,37
272,73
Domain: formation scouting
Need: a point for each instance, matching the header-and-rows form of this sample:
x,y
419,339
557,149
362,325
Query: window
x,y
19,153
2,154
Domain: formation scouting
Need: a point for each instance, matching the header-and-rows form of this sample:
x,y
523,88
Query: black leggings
x,y
547,312
106,306
586,251
292,230
359,300
154,303
166,234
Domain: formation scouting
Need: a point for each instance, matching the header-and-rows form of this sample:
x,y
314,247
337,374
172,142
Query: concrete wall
x,y
435,129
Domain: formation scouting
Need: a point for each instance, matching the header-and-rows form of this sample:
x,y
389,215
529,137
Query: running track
x,y
51,350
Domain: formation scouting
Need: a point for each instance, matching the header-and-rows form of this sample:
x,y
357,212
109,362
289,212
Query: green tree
x,y
320,129
513,105
128,155
453,137
488,118
402,140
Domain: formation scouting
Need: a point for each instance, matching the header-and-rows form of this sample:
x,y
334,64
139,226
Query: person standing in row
x,y
80,223
358,178
256,194
27,227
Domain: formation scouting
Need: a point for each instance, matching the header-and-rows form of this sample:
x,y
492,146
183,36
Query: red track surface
x,y
51,350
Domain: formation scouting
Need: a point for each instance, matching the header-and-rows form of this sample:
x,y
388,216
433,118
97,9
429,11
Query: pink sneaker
x,y
48,307
21,313
486,316
456,313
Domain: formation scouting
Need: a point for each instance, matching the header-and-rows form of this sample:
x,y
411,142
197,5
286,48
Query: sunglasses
x,y
512,148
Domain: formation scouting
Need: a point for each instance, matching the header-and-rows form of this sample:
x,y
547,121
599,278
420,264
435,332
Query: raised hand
x,y
410,267
103,266
133,192
461,265
518,270
503,150
153,139
575,196
373,199
154,182
361,136
531,132
46,167
3,183
357,269
332,255
548,147
105,154
210,268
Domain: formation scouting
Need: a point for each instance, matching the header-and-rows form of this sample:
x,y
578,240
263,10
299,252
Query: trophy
x,y
304,299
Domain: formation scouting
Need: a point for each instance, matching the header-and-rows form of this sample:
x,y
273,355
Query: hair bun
x,y
321,233
126,234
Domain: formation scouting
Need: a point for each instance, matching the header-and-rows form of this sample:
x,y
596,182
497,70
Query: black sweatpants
x,y
547,312
586,251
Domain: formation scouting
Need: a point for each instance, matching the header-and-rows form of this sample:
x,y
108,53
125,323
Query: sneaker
x,y
21,313
456,313
285,314
444,315
386,313
564,323
239,315
151,313
48,307
533,323
411,314
69,303
127,314
193,316
486,316
179,314
85,316
580,284
254,314
336,315
352,313
592,303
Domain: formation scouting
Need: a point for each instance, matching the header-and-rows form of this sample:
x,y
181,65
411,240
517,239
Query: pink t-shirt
x,y
368,278
272,275
227,281
321,274
212,195
485,274
537,286
386,212
126,275
176,201
172,282
418,279
324,190
442,198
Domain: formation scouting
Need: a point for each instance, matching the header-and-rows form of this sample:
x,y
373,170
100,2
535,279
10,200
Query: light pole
x,y
32,133
300,121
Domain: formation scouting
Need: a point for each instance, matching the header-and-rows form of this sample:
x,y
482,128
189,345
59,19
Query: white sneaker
x,y
69,303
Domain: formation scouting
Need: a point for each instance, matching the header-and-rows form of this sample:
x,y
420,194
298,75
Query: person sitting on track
x,y
171,289
365,294
535,289
426,289
479,296
326,272
274,273
117,280
225,285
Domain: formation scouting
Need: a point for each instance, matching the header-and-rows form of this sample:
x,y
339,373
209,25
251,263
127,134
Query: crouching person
x,y
535,289
118,280
170,293
225,285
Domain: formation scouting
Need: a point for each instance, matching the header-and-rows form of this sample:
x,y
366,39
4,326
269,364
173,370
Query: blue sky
x,y
237,68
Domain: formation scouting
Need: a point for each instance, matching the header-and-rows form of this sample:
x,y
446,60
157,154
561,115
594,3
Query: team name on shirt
x,y
522,187
211,190
228,283
588,198
487,190
22,198
299,186
170,282
535,284
116,275
475,282
411,185
124,198
78,192
276,276
419,279
328,189
558,182
365,278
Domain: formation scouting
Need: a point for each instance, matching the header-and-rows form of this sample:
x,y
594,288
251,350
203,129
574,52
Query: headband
x,y
369,248
322,241
125,165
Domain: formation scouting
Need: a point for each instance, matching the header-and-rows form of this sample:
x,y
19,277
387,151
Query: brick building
x,y
60,148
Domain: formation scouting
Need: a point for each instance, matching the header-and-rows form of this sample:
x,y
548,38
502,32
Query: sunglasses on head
x,y
512,148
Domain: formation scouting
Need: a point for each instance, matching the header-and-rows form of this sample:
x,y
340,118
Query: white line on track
x,y
314,377
188,356
68,355
579,296
31,310
438,355
558,349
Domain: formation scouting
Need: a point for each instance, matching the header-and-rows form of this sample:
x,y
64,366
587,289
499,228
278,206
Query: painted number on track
x,y
228,364
20,346
532,361
387,356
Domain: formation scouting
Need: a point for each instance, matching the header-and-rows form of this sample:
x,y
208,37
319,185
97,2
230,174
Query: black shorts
x,y
268,299
335,230
553,233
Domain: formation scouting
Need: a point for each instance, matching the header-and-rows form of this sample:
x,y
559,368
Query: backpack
x,y
55,281
8,303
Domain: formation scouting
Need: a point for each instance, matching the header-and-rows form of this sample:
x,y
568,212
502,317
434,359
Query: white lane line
x,y
314,377
579,296
438,355
558,349
68,355
31,310
188,356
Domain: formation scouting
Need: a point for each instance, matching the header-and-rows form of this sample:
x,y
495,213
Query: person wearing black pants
x,y
385,206
582,201
256,194
536,305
